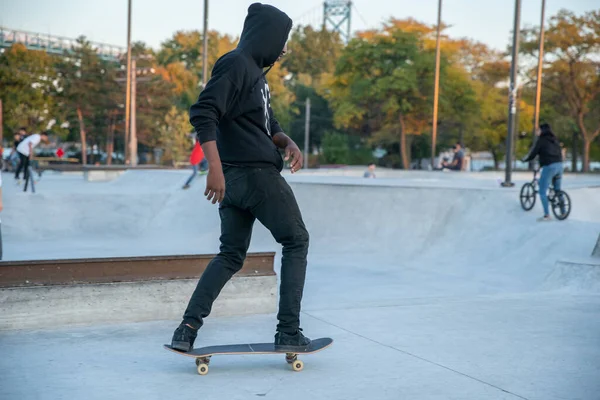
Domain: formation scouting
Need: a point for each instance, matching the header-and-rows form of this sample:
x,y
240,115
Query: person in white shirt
x,y
25,151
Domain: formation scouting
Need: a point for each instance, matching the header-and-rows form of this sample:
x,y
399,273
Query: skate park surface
x,y
433,285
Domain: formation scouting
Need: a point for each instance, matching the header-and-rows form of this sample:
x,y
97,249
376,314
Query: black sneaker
x,y
183,338
291,342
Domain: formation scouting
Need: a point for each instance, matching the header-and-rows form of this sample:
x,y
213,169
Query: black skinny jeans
x,y
23,165
256,194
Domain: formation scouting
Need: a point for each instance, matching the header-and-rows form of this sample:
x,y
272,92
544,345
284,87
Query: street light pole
x,y
538,85
133,141
205,46
436,86
128,84
307,133
512,96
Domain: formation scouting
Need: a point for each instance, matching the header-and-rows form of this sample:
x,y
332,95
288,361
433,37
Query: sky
x,y
154,21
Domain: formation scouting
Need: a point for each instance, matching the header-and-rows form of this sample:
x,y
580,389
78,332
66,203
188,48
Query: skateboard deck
x,y
203,354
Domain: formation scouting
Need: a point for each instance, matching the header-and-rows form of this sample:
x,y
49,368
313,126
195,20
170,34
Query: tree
x,y
27,90
158,88
186,48
336,149
87,88
387,80
491,122
175,135
281,95
312,58
312,52
572,70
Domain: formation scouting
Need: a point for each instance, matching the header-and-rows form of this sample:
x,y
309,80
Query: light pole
x,y
538,85
134,78
436,89
133,132
205,46
307,133
128,84
512,96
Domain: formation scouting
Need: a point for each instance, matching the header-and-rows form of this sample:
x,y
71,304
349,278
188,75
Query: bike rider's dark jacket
x,y
235,109
548,148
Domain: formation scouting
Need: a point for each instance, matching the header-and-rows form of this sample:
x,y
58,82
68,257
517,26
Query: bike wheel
x,y
561,205
527,196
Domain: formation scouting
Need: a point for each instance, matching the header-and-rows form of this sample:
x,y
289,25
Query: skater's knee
x,y
298,241
232,260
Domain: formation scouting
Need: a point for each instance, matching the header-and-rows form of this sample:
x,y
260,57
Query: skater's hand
x,y
215,185
292,150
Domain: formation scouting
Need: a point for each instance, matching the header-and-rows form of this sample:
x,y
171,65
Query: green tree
x,y
27,89
312,52
571,74
87,86
383,86
157,89
281,95
186,48
336,149
312,57
175,136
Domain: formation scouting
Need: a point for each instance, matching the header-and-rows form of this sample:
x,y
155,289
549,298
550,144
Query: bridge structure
x,y
58,45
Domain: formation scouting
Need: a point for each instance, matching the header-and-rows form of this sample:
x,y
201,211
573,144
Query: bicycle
x,y
558,200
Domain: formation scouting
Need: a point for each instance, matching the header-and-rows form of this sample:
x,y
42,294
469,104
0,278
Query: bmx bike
x,y
559,200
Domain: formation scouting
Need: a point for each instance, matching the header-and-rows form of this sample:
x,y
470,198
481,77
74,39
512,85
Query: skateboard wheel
x,y
202,369
297,365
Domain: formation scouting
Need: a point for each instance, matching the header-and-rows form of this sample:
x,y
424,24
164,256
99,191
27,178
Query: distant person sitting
x,y
457,161
25,151
370,172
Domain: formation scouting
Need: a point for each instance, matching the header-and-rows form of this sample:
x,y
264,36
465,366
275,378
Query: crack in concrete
x,y
416,356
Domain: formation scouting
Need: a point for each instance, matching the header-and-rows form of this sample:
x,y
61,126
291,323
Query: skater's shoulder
x,y
234,61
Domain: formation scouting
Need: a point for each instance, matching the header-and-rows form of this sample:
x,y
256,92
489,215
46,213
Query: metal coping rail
x,y
121,269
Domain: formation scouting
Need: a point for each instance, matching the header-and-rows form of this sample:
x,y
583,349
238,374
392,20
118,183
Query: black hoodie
x,y
235,107
547,147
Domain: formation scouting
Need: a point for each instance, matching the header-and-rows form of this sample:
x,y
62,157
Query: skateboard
x,y
203,354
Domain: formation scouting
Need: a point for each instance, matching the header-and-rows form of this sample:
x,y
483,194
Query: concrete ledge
x,y
55,306
101,175
578,275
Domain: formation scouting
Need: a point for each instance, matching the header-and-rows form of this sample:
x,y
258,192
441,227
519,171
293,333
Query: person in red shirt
x,y
198,161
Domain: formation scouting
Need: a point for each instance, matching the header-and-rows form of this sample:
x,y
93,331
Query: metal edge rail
x,y
120,269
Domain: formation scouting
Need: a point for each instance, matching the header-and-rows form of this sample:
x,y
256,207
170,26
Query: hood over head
x,y
265,32
546,130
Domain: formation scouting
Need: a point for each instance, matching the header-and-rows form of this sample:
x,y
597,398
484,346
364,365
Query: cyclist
x,y
547,147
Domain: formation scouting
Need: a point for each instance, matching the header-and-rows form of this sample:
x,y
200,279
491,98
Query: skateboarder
x,y
547,147
25,151
240,138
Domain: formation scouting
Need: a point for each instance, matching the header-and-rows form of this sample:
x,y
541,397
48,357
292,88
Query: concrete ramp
x,y
577,276
449,287
445,225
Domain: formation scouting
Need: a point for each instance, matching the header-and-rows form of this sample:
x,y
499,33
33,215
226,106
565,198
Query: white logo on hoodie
x,y
266,99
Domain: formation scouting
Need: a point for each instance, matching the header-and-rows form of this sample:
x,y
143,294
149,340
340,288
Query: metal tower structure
x,y
337,17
